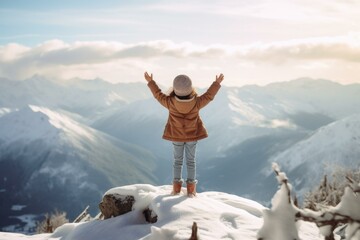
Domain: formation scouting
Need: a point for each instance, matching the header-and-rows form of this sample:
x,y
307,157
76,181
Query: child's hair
x,y
192,94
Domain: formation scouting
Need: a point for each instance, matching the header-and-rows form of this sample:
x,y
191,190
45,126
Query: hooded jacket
x,y
184,123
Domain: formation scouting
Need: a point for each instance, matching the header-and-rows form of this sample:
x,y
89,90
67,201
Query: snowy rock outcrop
x,y
114,205
218,216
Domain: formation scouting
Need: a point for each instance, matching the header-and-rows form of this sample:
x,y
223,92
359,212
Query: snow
x,y
64,123
280,217
349,205
24,120
353,230
334,142
28,219
218,216
347,211
4,111
17,207
333,146
33,122
281,221
250,111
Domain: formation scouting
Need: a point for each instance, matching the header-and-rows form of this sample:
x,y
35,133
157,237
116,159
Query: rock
x,y
150,217
114,205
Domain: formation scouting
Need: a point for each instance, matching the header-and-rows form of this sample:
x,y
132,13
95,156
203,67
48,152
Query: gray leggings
x,y
189,148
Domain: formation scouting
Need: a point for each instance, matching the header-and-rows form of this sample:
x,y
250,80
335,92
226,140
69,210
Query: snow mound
x,y
218,216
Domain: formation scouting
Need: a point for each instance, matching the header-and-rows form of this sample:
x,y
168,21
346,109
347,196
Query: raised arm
x,y
156,91
211,92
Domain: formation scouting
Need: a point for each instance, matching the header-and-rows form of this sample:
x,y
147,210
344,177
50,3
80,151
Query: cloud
x,y
337,48
59,52
59,58
346,48
11,52
297,10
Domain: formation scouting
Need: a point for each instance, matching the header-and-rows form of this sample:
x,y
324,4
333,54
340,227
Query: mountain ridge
x,y
115,134
330,147
52,158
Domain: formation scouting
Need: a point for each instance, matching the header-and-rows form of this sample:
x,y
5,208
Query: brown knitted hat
x,y
182,85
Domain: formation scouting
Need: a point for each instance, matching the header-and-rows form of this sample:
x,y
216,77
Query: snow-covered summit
x,y
28,123
38,123
337,143
331,146
218,216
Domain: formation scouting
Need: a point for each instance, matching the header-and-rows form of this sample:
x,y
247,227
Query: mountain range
x,y
48,159
62,144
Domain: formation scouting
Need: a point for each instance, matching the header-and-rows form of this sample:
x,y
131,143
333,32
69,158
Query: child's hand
x,y
148,77
220,78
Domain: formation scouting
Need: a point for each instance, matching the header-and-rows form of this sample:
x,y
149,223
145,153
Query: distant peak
x,y
39,80
27,123
308,80
305,82
37,77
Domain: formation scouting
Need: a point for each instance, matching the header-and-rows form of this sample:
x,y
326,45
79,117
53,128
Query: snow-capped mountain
x,y
48,160
239,169
305,156
336,145
140,123
89,98
317,96
240,114
101,134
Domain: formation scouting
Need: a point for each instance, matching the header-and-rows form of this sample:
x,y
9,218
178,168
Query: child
x,y
184,126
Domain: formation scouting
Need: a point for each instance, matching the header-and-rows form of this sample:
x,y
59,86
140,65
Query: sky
x,y
249,41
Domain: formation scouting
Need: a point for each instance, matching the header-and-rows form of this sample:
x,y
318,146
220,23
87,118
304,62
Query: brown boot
x,y
191,189
176,187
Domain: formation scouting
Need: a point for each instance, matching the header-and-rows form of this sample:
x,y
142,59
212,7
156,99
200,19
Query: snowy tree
x,y
330,190
280,220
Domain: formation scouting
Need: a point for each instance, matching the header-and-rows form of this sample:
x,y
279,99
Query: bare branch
x,y
194,229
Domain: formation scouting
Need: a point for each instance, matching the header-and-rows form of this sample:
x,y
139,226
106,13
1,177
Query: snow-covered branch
x,y
282,179
353,185
284,214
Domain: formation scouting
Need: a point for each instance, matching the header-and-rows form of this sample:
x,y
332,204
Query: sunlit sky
x,y
250,41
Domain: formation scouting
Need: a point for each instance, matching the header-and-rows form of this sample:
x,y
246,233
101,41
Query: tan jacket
x,y
184,123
